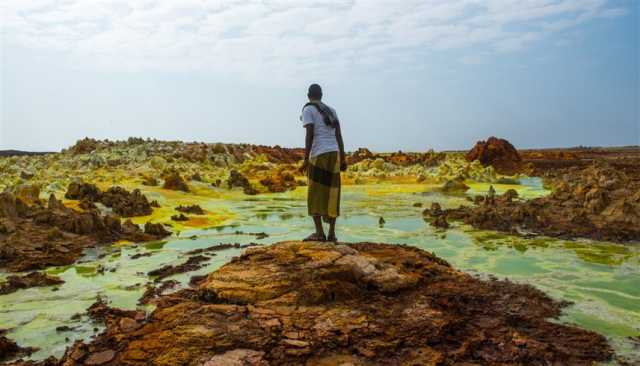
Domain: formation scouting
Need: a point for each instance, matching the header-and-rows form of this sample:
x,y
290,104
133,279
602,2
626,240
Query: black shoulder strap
x,y
328,120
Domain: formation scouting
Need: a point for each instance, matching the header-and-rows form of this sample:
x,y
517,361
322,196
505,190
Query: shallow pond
x,y
602,279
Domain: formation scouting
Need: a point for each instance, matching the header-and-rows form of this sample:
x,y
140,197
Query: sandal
x,y
315,237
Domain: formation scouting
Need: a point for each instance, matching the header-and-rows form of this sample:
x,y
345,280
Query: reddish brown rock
x,y
359,155
193,209
596,202
498,153
125,203
100,358
174,181
35,237
83,191
180,217
121,201
193,263
365,304
280,181
34,279
84,146
156,230
236,179
9,349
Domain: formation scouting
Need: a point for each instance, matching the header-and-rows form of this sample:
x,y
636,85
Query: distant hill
x,y
5,153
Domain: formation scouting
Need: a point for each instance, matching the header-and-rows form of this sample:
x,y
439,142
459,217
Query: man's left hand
x,y
343,166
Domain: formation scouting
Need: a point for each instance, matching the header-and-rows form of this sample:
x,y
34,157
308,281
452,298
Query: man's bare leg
x,y
317,220
332,228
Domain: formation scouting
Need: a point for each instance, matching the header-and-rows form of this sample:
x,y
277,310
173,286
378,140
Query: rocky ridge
x,y
361,304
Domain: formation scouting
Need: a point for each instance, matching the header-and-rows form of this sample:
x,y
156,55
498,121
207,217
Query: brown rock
x,y
128,324
595,202
193,209
80,191
100,358
236,179
35,279
156,230
497,152
180,217
125,203
297,303
84,146
174,181
238,357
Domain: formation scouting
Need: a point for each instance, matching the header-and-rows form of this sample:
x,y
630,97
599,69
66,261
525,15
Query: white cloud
x,y
282,38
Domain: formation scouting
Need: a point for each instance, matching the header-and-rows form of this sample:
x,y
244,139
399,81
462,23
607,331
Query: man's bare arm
x,y
343,159
308,141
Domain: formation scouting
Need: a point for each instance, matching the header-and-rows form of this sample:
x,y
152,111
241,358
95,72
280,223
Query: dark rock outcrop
x,y
34,279
497,152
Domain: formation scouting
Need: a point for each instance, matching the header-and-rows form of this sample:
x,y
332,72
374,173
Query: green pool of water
x,y
601,279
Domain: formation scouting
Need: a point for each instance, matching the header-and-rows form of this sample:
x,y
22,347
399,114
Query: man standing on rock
x,y
324,159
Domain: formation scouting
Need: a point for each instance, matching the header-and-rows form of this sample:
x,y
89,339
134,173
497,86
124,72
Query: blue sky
x,y
403,75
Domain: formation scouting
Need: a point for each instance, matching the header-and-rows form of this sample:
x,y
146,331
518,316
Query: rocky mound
x,y
84,146
121,201
38,236
125,203
298,303
236,179
498,153
193,209
280,181
174,181
598,202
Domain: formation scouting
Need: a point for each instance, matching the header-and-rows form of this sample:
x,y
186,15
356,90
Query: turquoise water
x,y
602,279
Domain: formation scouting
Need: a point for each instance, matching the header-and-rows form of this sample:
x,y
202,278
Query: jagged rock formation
x,y
299,303
121,201
236,179
498,153
35,237
193,209
598,202
34,279
174,181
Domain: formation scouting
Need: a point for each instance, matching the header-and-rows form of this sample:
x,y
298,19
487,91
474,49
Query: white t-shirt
x,y
324,137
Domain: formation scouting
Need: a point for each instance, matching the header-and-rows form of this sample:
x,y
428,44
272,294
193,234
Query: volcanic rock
x,y
359,155
174,181
180,217
35,237
236,179
498,153
312,303
279,182
596,202
125,203
193,209
9,349
157,230
84,146
35,279
82,191
193,263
